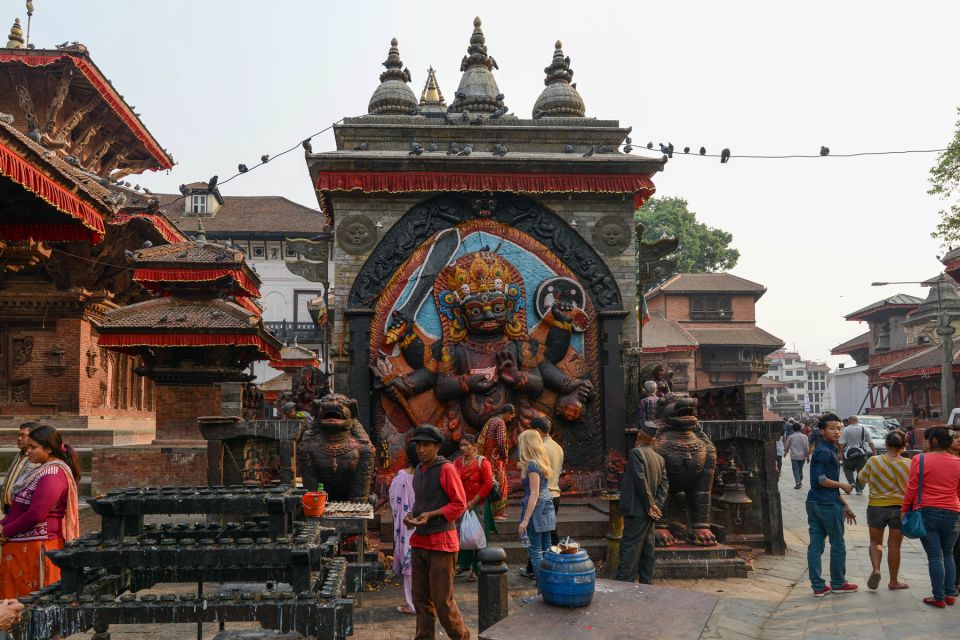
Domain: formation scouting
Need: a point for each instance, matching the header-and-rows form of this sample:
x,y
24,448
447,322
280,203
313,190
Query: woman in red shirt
x,y
476,474
940,506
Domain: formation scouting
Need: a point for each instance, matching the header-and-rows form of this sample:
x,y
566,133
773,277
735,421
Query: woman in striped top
x,y
887,476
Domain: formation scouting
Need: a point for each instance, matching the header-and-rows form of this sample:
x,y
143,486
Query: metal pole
x,y
947,385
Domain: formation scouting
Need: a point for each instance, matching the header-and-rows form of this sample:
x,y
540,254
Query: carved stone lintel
x,y
443,212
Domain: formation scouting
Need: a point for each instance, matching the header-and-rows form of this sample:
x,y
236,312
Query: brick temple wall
x,y
155,466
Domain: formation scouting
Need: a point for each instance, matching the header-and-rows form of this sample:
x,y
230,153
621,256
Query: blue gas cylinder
x,y
567,579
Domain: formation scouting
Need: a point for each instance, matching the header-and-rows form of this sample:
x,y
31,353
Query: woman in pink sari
x,y
42,517
401,501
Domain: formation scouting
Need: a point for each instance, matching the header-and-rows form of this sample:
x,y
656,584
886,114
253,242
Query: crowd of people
x,y
39,501
928,483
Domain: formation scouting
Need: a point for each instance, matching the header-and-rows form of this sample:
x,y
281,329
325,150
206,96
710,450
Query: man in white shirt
x,y
856,447
555,456
797,449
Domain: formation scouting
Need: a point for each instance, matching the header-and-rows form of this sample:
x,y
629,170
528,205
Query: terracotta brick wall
x,y
178,408
120,467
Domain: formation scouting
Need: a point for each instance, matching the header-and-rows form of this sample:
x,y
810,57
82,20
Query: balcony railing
x,y
723,315
306,331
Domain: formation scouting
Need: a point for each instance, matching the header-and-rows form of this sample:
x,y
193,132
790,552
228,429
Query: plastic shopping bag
x,y
471,532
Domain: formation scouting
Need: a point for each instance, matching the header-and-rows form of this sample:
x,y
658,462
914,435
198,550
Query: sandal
x,y
472,577
406,611
873,581
897,586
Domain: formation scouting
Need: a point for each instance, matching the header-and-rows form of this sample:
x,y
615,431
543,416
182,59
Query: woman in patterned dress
x,y
401,501
492,442
42,517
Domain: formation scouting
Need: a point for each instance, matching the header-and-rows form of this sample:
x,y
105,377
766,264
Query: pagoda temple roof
x,y
241,216
177,322
662,334
190,253
708,283
861,341
65,83
926,362
294,356
745,337
902,301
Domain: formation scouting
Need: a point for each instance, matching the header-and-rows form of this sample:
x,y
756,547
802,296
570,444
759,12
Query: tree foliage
x,y
945,181
702,248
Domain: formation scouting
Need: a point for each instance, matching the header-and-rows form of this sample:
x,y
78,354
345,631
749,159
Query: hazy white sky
x,y
221,82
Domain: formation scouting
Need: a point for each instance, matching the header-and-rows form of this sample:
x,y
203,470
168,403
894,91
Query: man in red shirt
x,y
440,501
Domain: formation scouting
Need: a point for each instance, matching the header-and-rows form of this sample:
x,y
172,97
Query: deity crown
x,y
485,272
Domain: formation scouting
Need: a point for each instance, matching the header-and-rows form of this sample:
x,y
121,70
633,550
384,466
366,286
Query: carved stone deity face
x,y
485,313
357,235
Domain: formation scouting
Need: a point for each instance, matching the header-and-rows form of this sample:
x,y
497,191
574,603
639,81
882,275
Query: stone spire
x,y
478,91
393,96
559,99
15,39
432,98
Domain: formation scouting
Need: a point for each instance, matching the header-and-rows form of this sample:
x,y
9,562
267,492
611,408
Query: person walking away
x,y
647,409
439,501
826,511
781,450
643,492
42,517
537,517
555,456
799,452
18,468
856,447
492,444
939,502
476,474
402,498
887,476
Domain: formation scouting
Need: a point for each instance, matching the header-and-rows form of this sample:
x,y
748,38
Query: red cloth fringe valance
x,y
163,227
154,279
127,340
247,303
50,191
119,107
288,364
424,181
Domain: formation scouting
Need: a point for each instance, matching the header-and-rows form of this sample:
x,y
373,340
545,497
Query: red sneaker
x,y
819,593
950,600
845,588
939,604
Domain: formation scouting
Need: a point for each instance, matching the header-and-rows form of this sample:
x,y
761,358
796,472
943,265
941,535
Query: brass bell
x,y
734,493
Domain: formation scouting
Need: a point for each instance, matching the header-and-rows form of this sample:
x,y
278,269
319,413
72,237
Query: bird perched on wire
x,y
824,151
242,168
467,150
686,149
649,145
703,151
454,149
628,148
265,158
667,149
725,156
363,146
589,152
307,145
212,183
417,149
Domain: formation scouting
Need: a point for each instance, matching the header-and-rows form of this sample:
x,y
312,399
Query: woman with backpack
x,y
476,474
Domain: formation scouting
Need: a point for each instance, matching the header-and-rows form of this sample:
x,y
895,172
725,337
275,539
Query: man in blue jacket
x,y
826,511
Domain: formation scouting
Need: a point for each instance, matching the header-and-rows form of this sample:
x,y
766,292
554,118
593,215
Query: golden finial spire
x,y
431,92
15,39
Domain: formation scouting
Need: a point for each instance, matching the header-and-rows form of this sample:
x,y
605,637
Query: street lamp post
x,y
945,330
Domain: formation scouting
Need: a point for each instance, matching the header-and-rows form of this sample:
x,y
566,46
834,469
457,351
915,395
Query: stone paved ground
x,y
774,602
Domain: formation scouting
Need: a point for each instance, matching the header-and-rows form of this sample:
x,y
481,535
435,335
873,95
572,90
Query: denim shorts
x,y
880,517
